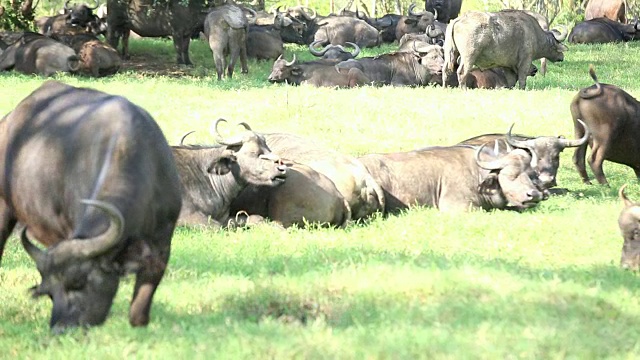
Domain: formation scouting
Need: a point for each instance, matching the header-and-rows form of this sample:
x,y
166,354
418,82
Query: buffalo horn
x,y
245,125
89,248
435,14
523,144
185,136
315,52
313,12
356,49
34,252
577,142
66,4
433,31
489,165
95,7
621,193
534,159
561,34
411,7
237,140
292,61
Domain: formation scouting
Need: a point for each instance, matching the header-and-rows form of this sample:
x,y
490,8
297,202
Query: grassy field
x,y
483,285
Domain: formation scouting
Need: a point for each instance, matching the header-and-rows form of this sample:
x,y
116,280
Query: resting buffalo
x,y
602,30
421,66
432,36
96,58
225,28
386,25
454,179
350,177
265,41
74,20
611,9
306,197
493,78
319,73
509,38
547,150
103,203
447,9
151,18
212,176
38,54
414,22
334,52
611,114
629,223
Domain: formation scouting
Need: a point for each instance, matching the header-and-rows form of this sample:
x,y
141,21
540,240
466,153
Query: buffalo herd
x,y
104,204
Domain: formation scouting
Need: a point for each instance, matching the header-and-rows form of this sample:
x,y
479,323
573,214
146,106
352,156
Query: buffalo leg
x,y
218,58
580,154
181,45
7,223
149,276
125,44
523,73
596,159
243,54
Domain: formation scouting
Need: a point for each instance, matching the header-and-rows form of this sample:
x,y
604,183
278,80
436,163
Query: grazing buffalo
x,y
103,203
151,18
321,73
306,197
334,52
611,115
454,179
225,28
38,54
74,20
421,66
611,9
546,149
602,30
350,177
212,176
447,9
629,223
509,38
96,58
414,22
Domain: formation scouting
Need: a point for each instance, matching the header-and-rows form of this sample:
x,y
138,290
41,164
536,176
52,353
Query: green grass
x,y
540,284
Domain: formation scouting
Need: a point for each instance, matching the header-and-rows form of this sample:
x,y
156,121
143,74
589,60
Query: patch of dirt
x,y
145,66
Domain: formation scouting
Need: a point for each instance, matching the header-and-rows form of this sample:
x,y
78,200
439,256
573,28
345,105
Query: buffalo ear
x,y
296,71
222,165
490,185
410,21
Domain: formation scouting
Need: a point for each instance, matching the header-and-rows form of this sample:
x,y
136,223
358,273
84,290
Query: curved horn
x,y
34,252
315,52
356,49
561,34
410,11
534,159
88,248
66,5
435,14
215,127
621,194
245,125
292,61
523,144
95,7
185,136
433,31
577,142
489,165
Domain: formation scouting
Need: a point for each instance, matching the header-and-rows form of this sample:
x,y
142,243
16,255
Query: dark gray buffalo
x,y
38,54
414,22
611,114
103,202
509,38
307,197
602,30
547,150
629,223
212,176
447,9
96,58
454,179
334,52
321,73
76,19
421,66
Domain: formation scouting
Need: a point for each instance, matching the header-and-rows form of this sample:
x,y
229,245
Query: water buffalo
x,y
447,9
321,73
509,38
350,177
629,223
334,52
421,66
611,9
414,22
103,203
150,18
74,20
225,28
266,40
547,150
306,197
611,114
386,25
96,58
38,54
602,30
454,179
212,176
432,36
493,78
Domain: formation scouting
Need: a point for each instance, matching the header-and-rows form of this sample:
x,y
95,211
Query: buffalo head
x,y
248,158
283,70
629,222
510,177
554,47
79,15
334,52
79,281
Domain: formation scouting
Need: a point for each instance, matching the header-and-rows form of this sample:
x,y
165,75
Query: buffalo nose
x,y
282,168
534,195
